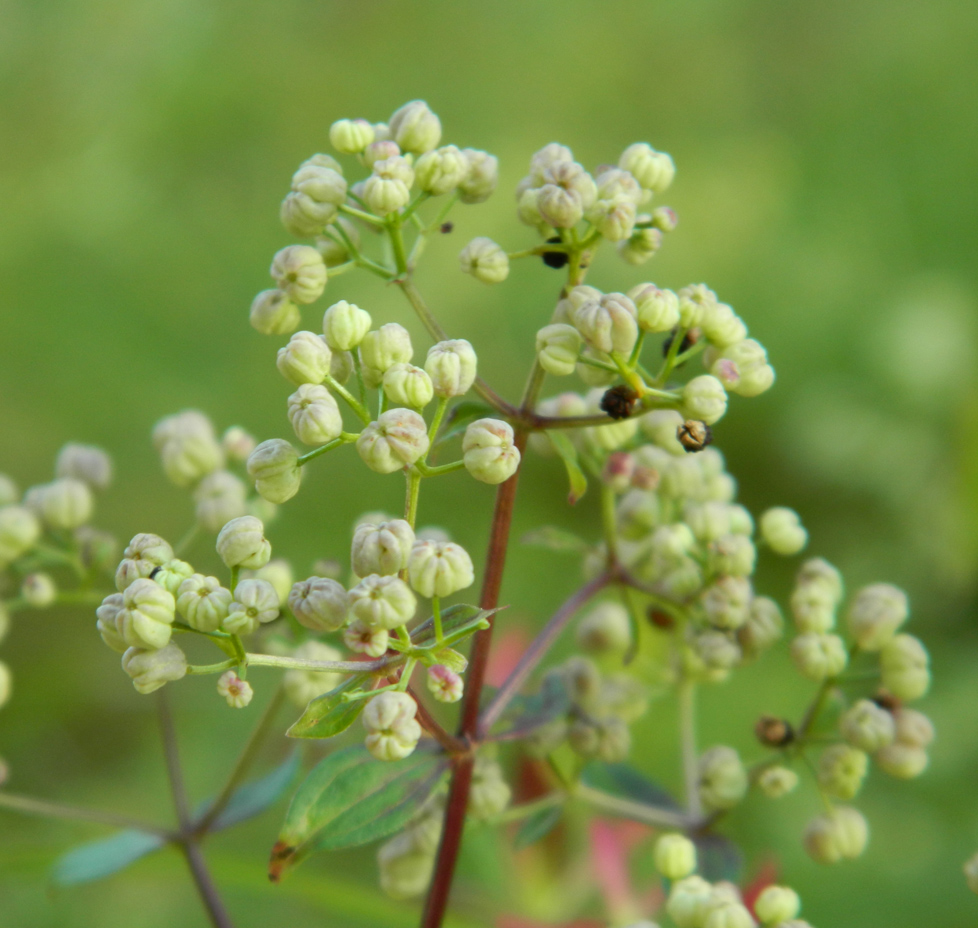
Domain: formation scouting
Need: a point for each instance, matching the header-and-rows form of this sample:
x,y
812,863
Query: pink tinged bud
x,y
489,451
236,691
320,603
445,685
366,640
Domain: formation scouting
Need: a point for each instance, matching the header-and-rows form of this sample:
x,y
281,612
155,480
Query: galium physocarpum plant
x,y
667,597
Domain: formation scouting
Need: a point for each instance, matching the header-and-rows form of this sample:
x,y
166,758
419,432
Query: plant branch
x,y
31,806
687,738
430,724
636,811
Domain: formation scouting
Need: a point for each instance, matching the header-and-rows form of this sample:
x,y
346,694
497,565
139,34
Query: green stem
x,y
425,471
344,439
201,669
360,214
409,666
436,616
358,370
636,811
294,663
30,806
351,400
235,573
413,491
397,243
436,420
609,523
637,350
411,207
670,362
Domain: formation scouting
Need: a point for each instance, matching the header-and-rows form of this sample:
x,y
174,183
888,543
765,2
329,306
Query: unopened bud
x,y
314,414
152,669
305,359
351,136
484,260
441,170
146,617
320,603
345,325
729,915
300,271
87,463
236,691
444,684
237,443
841,834
867,726
490,793
777,904
66,503
608,323
382,602
642,244
392,730
19,531
875,614
242,543
689,902
383,348
395,440
819,656
654,170
203,602
407,385
274,466
439,568
255,602
705,399
415,127
776,782
905,667
489,451
220,497
388,189
605,628
451,365
841,770
273,313
674,856
657,310
366,640
722,779
381,548
39,590
483,175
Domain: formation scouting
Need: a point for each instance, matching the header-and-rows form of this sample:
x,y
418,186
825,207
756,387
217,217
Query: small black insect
x,y
689,339
774,732
619,401
555,259
446,227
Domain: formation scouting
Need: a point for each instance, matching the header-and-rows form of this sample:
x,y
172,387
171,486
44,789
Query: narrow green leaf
x,y
537,826
253,798
556,539
454,619
97,859
329,714
568,453
625,781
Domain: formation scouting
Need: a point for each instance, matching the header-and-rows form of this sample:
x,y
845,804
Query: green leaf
x,y
102,858
350,799
556,539
568,453
253,798
329,714
537,826
455,619
625,781
460,416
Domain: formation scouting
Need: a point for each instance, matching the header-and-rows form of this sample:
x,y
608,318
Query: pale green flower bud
x,y
606,627
528,212
674,856
273,313
415,128
66,503
236,691
764,626
6,684
19,531
407,385
107,616
657,310
383,348
732,554
304,216
721,326
203,602
905,667
875,614
171,575
190,458
382,548
439,568
661,426
345,325
689,902
321,178
971,873
722,779
817,593
705,399
302,686
305,359
451,365
242,543
146,616
444,684
694,301
398,438
483,175
314,414
714,655
727,601
484,260
143,555
665,218
819,656
673,540
351,136
277,572
489,450
300,271
841,770
867,726
777,904
220,497
614,217
8,490
382,602
729,915
609,323
274,466
388,188
237,443
320,603
87,463
378,151
405,868
255,602
152,669
557,206
490,793
366,640
903,761
641,245
392,730
782,530
547,157
776,782
913,728
841,834
743,368
442,170
39,590
708,521
654,170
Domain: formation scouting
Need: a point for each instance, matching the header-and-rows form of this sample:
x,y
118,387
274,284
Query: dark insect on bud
x,y
886,700
774,732
446,227
694,435
689,339
661,619
619,401
154,572
555,259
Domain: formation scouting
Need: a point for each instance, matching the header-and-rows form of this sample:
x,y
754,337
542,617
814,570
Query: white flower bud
x,y
439,568
606,627
19,531
107,616
321,179
302,686
841,834
489,451
273,313
451,365
442,170
351,136
732,554
220,497
721,326
714,655
143,555
729,915
382,602
484,260
305,359
146,616
905,667
378,151
314,414
66,503
171,575
875,614
689,902
654,170
320,604
278,573
388,188
345,325
841,770
743,368
727,601
444,684
705,399
903,761
613,217
482,176
415,128
609,323
674,856
255,602
913,728
152,669
8,490
558,346
642,244
405,866
382,548
407,385
6,684
708,521
236,691
656,310
397,439
819,656
300,271
867,726
816,596
303,215
490,793
203,602
383,348
87,463
242,543
777,904
694,301
237,443
971,873
559,207
776,782
722,779
782,530
366,640
392,730
528,212
764,626
39,590
274,466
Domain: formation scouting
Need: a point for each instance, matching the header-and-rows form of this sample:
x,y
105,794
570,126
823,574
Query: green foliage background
x,y
826,188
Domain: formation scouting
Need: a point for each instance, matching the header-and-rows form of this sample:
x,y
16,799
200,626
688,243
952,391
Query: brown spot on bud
x,y
886,700
661,619
694,435
446,227
619,401
774,732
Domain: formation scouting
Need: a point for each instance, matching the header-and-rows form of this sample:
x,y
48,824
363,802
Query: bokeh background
x,y
826,189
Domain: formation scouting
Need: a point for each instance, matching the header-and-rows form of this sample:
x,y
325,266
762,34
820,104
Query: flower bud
x,y
743,368
444,684
277,572
656,310
388,188
613,217
392,730
442,170
6,685
107,622
729,915
383,348
8,490
777,904
875,614
273,313
971,873
274,466
439,568
98,550
841,770
171,575
305,359
642,244
722,779
203,602
351,136
303,215
242,543
345,325
480,181
484,260
905,667
415,128
407,385
608,324
146,616
867,726
87,463
152,669
384,602
913,728
782,530
841,834
405,868
764,626
302,686
143,555
490,793
705,399
299,270
817,592
714,654
236,691
314,414
732,554
255,602
381,548
320,604
776,782
694,301
19,531
220,497
654,170
689,902
819,656
675,856
237,443
727,602
558,346
903,761
366,640
378,151
721,326
606,627
66,503
397,439
451,365
39,590
489,451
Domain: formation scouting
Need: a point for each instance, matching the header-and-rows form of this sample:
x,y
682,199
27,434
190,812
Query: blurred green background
x,y
826,189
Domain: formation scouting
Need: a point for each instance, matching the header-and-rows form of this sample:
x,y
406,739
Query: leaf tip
x,y
282,854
